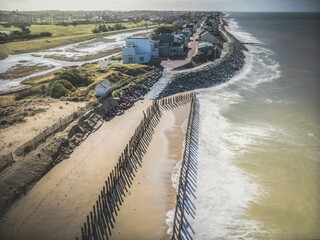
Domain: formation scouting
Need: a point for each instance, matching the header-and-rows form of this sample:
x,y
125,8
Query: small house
x,y
210,50
171,45
206,36
102,88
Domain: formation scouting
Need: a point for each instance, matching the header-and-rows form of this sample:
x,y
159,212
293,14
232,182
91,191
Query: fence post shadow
x,y
113,194
186,196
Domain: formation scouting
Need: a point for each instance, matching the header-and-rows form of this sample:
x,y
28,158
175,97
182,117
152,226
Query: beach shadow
x,y
185,208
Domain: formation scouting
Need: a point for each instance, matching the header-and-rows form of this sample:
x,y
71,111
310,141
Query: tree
x,y
74,23
166,29
118,26
95,30
21,25
110,28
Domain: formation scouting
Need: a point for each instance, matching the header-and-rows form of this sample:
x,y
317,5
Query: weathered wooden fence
x,y
169,103
187,183
6,160
100,221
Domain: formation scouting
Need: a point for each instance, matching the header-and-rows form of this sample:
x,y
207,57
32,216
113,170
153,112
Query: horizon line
x,y
244,11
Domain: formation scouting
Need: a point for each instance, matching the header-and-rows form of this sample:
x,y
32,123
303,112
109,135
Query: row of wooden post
x,y
100,221
175,101
179,222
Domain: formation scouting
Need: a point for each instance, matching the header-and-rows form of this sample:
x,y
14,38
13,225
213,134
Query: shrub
x,y
200,57
166,29
75,78
57,90
66,84
37,90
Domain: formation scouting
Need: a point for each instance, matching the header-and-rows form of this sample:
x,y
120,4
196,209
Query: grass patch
x,y
34,91
116,58
20,71
7,99
83,79
60,88
86,57
3,55
61,36
200,58
131,69
75,77
39,80
133,82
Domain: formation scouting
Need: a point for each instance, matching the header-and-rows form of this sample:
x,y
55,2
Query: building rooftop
x,y
138,38
205,44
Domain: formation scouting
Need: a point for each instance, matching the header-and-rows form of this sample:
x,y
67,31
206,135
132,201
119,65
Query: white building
x,y
138,50
102,88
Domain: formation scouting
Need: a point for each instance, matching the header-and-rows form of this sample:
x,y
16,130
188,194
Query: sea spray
x,y
225,191
175,177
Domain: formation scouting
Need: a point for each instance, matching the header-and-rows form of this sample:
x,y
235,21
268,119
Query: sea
x,y
258,173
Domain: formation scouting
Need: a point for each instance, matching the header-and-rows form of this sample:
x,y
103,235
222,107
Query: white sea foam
x,y
175,177
238,32
224,191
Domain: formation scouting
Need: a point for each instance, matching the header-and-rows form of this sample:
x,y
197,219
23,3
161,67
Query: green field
x,y
60,36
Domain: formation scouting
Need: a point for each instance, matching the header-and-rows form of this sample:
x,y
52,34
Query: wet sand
x,y
57,205
143,213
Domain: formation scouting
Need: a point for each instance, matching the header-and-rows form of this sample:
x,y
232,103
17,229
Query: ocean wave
x,y
225,191
241,35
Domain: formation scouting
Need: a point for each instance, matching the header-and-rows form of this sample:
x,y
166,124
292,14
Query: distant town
x,y
171,39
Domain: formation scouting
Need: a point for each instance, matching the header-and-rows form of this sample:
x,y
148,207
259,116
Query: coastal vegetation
x,y
200,57
78,84
60,88
85,57
166,29
104,28
22,70
68,84
20,35
61,35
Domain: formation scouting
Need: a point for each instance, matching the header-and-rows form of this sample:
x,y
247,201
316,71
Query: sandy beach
x,y
143,214
57,205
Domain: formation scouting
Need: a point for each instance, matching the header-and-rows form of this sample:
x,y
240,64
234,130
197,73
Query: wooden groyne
x,y
169,103
187,182
100,221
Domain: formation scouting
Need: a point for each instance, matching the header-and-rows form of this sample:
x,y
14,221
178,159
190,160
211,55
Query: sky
x,y
209,5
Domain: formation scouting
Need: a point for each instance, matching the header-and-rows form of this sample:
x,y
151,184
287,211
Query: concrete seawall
x,y
212,74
